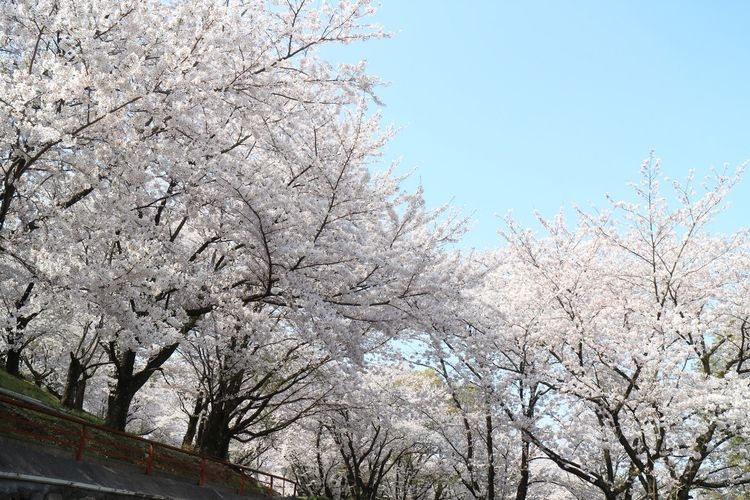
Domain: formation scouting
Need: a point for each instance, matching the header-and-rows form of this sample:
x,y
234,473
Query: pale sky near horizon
x,y
534,105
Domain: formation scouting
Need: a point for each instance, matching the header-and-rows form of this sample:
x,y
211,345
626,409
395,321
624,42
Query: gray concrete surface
x,y
21,462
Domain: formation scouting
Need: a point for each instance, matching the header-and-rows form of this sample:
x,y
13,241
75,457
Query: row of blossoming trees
x,y
196,242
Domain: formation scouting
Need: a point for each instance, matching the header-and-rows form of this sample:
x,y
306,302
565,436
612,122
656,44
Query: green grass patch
x,y
26,388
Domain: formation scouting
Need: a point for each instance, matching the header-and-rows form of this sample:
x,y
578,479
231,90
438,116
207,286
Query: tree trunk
x,y
129,382
682,493
490,457
118,405
523,481
187,440
72,382
653,487
80,393
13,362
13,358
216,436
439,491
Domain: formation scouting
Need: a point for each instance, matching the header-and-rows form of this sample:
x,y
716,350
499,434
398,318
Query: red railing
x,y
84,439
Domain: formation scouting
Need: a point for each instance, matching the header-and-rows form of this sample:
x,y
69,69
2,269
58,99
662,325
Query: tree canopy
x,y
199,241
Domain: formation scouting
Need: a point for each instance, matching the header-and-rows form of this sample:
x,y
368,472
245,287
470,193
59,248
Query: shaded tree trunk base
x,y
13,363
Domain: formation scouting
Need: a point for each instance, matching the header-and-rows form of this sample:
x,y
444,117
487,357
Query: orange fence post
x,y
81,442
150,460
202,476
242,483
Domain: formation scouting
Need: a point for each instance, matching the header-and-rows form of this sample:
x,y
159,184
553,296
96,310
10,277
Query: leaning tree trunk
x,y
187,439
118,406
13,357
128,382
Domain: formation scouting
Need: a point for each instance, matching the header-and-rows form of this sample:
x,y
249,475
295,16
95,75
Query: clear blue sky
x,y
532,105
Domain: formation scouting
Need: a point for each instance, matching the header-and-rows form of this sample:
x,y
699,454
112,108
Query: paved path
x,y
24,467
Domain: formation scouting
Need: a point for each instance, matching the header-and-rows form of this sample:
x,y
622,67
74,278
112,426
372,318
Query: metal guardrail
x,y
84,439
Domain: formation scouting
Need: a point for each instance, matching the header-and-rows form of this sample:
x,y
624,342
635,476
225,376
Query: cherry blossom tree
x,y
644,334
252,384
481,349
170,161
192,177
615,349
373,440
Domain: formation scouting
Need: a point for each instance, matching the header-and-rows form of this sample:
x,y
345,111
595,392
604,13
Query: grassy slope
x,y
28,389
